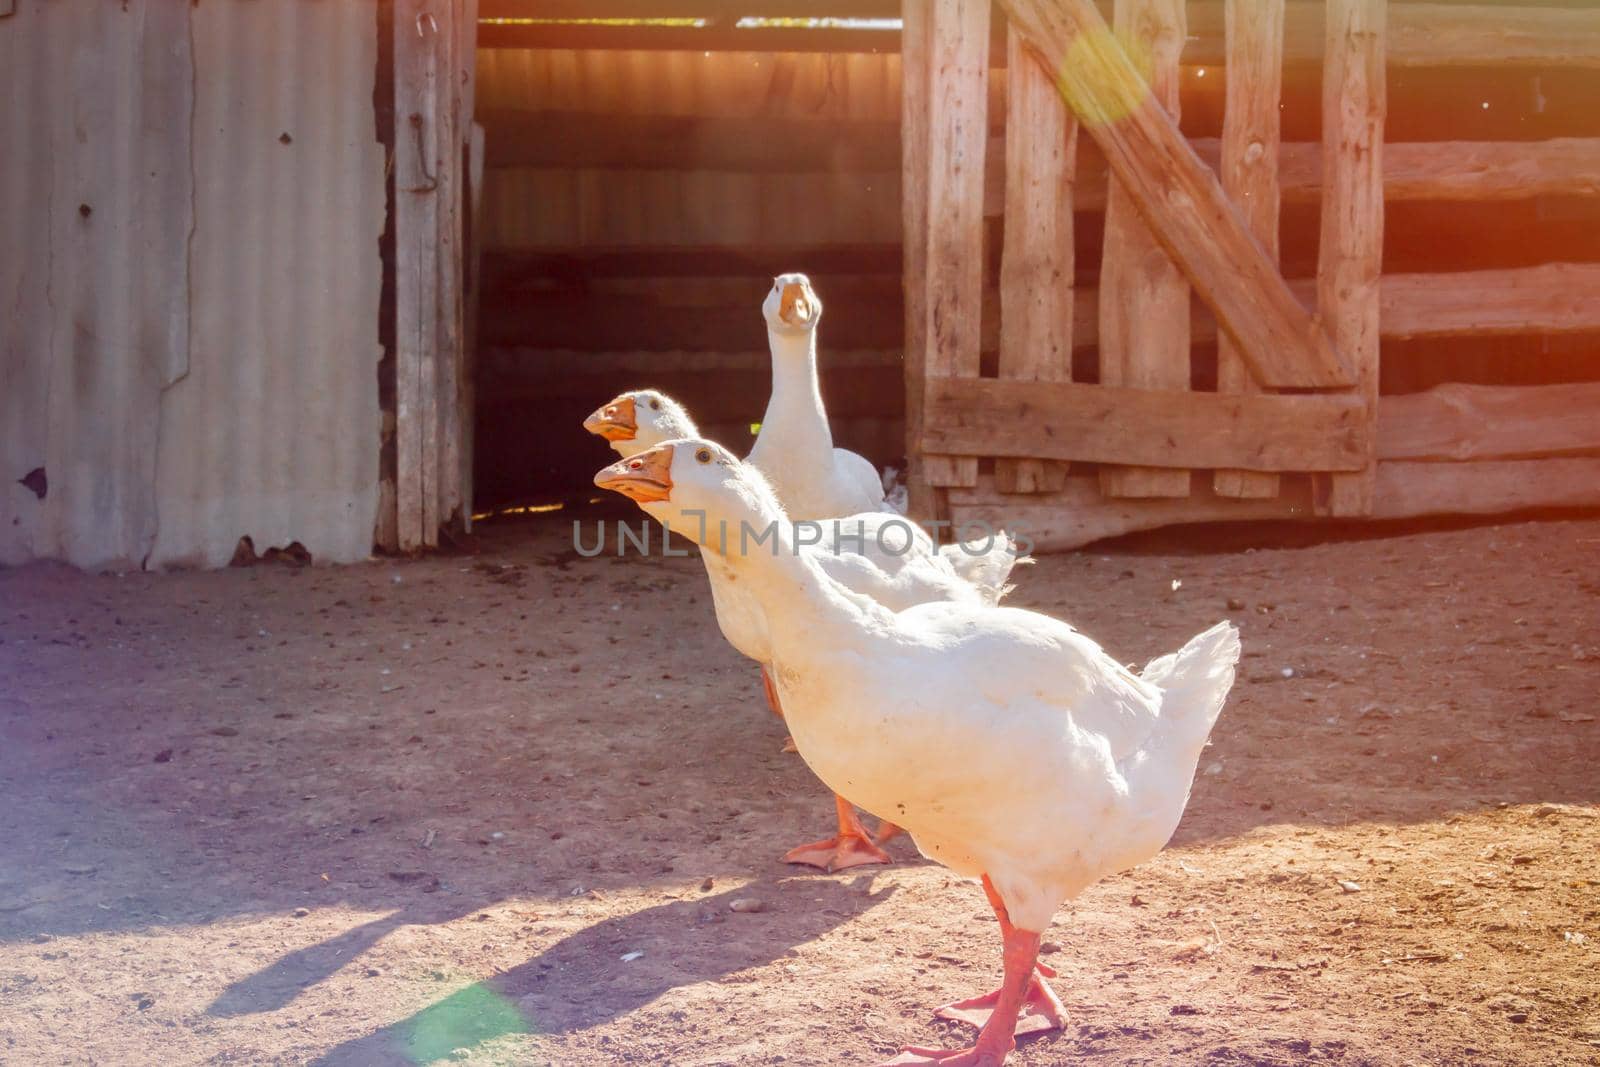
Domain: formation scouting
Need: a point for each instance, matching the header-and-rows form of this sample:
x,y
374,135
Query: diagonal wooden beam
x,y
1179,196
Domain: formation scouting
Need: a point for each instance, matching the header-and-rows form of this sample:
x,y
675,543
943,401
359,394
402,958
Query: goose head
x,y
640,419
792,306
696,487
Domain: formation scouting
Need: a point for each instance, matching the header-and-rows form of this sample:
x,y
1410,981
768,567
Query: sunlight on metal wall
x,y
190,208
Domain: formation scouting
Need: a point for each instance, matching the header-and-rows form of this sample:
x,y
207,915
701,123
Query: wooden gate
x,y
1190,254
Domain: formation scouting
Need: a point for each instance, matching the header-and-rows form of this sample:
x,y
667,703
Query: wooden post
x,y
1350,255
447,132
473,286
1144,302
1179,197
914,23
1036,264
1254,44
417,27
957,105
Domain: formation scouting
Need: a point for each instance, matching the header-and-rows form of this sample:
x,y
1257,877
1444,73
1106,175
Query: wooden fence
x,y
1294,425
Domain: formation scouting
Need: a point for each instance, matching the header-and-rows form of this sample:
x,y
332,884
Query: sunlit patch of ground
x,y
430,812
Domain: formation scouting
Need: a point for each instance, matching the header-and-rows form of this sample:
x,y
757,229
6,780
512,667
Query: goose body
x,y
1009,745
880,555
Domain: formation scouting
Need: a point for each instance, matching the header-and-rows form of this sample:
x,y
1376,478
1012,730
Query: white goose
x,y
795,446
883,556
1010,746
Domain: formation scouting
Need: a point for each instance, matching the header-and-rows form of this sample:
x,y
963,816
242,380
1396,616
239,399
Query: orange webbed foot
x,y
1041,1009
851,847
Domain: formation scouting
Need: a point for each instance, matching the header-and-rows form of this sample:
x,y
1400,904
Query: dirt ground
x,y
418,811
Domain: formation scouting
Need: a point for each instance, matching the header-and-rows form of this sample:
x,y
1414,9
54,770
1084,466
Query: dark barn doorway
x,y
644,180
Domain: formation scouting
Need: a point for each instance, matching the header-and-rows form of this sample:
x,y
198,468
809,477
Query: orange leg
x,y
997,1039
851,848
776,706
1041,1009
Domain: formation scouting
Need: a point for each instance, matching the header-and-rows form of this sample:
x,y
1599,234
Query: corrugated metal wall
x,y
190,206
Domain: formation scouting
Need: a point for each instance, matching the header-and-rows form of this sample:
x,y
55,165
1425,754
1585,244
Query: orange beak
x,y
615,422
796,306
644,478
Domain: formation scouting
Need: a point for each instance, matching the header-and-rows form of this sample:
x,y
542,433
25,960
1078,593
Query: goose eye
x,y
703,455
655,405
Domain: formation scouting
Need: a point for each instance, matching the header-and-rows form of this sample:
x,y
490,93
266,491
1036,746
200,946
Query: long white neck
x,y
802,604
795,411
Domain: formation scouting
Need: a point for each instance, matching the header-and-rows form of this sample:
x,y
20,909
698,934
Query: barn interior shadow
x,y
582,981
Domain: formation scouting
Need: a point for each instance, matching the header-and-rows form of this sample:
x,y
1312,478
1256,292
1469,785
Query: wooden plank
x,y
1431,170
1036,264
1078,515
1433,35
1180,198
579,36
504,267
711,10
956,105
1427,35
454,115
741,393
1422,35
765,144
1160,428
1487,170
613,321
1144,302
1250,130
416,78
1408,490
1350,250
1551,298
1458,422
922,497
474,297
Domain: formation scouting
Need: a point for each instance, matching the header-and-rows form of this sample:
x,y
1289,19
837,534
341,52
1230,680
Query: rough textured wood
x,y
1430,170
1162,428
1494,35
1254,37
1350,250
1079,515
1552,298
715,10
1036,265
689,142
957,102
1144,305
1469,422
914,116
450,136
1407,490
571,35
1489,170
416,59
1180,197
1484,35
473,286
503,267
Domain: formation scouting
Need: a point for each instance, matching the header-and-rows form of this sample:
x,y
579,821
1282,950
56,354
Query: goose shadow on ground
x,y
581,981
